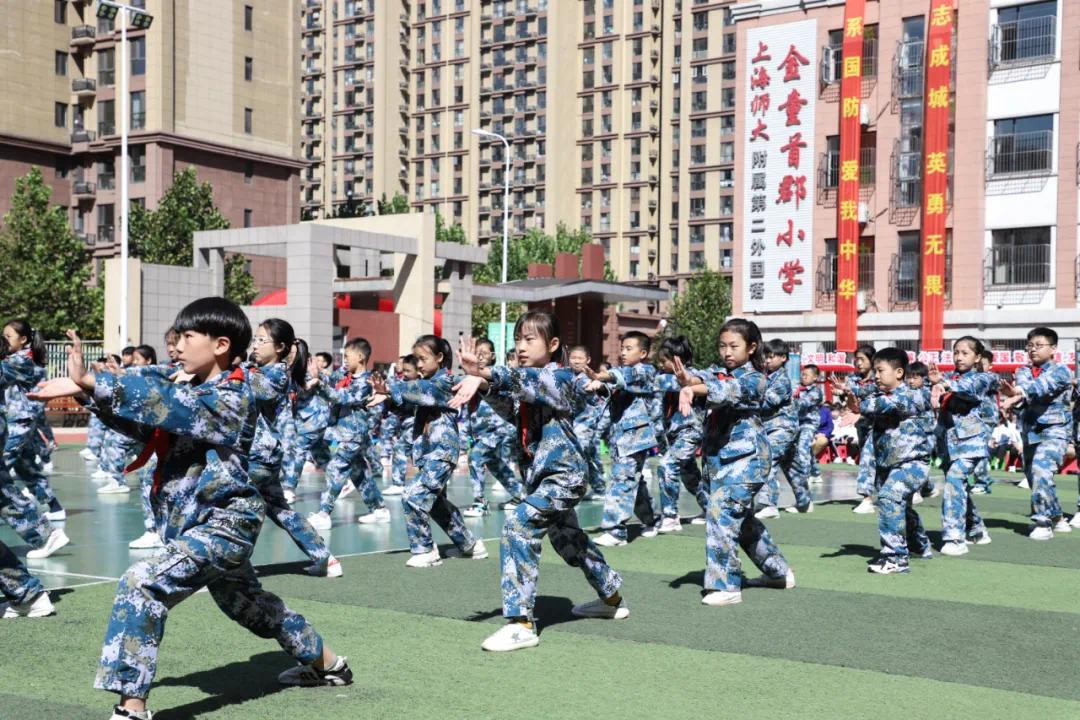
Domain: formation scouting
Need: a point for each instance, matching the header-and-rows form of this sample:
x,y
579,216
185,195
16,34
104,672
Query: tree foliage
x,y
164,236
45,267
698,312
398,205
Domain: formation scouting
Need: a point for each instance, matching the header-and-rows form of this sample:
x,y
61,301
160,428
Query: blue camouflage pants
x,y
310,444
730,524
17,585
399,466
499,460
1041,461
802,467
679,466
146,487
267,480
899,526
629,493
866,482
44,441
20,455
522,540
425,499
958,513
95,432
151,588
351,461
781,455
590,444
982,475
22,514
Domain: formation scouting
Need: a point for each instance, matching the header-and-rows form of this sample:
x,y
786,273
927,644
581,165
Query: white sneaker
x,y
795,510
349,489
983,539
608,540
767,512
764,581
330,569
512,636
319,520
146,541
476,552
424,560
87,454
1062,526
866,507
1038,533
382,515
290,496
917,499
698,520
113,487
718,598
934,491
1023,484
393,490
100,474
816,479
27,494
649,531
954,548
1075,522
47,468
978,491
57,539
476,510
39,607
56,515
599,609
670,525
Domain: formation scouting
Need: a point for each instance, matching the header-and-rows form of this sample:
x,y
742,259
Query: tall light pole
x,y
142,20
505,229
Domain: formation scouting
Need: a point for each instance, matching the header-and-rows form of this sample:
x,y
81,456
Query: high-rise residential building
x,y
211,86
619,117
1010,245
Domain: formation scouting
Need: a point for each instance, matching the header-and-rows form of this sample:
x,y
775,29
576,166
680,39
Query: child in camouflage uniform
x,y
807,400
208,511
680,435
551,396
781,423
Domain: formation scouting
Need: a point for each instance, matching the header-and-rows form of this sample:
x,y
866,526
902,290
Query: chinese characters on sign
x,y
935,171
847,213
778,158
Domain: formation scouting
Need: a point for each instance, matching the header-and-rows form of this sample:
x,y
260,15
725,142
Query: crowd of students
x,y
222,431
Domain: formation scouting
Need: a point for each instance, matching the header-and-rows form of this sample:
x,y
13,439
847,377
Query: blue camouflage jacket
x,y
312,408
779,413
588,422
25,375
928,419
492,419
631,408
203,501
270,385
807,402
551,398
733,427
348,398
897,430
673,422
1044,413
435,431
988,409
14,372
966,432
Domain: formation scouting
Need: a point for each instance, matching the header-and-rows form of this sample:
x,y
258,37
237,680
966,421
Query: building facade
x,y
1011,206
211,86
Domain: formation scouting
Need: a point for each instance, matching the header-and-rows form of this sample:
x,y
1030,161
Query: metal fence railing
x,y
1019,154
1030,40
1018,266
56,355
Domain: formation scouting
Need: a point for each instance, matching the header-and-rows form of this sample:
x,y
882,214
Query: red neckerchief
x,y
523,426
344,382
1035,370
714,416
160,443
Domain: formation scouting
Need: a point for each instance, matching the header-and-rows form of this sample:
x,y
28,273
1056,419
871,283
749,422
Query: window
x,y
106,70
60,12
1023,145
1020,256
1026,32
106,117
248,120
105,220
138,56
249,13
248,69
61,63
248,217
138,110
249,170
137,160
60,115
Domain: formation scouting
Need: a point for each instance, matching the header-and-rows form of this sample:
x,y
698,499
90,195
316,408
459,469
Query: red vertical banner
x,y
935,176
847,214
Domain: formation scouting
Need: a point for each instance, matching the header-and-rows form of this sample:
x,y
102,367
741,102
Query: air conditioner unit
x,y
864,114
864,213
860,301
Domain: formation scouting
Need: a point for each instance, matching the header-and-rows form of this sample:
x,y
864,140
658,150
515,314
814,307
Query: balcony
x,y
905,280
829,168
87,239
106,128
1019,155
83,189
825,285
83,35
908,70
1018,266
106,181
84,87
82,135
1031,41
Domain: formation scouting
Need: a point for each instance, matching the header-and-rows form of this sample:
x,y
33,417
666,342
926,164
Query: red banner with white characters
x,y
847,215
935,177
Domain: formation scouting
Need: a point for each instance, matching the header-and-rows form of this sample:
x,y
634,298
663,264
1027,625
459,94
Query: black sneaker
x,y
887,566
309,676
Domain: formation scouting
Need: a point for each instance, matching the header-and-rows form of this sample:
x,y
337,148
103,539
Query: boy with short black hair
x,y
900,458
781,422
988,410
807,400
917,379
588,425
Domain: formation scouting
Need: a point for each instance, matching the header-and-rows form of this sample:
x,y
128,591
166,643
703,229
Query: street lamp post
x,y
140,19
505,229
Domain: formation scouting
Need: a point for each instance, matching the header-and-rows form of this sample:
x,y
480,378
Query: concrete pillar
x,y
113,341
311,268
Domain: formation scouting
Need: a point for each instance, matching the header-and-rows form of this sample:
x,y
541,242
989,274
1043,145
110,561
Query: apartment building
x,y
211,85
1011,207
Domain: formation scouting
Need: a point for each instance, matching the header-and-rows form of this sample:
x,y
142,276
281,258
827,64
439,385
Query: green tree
x,y
398,205
698,312
164,236
45,266
448,233
535,246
